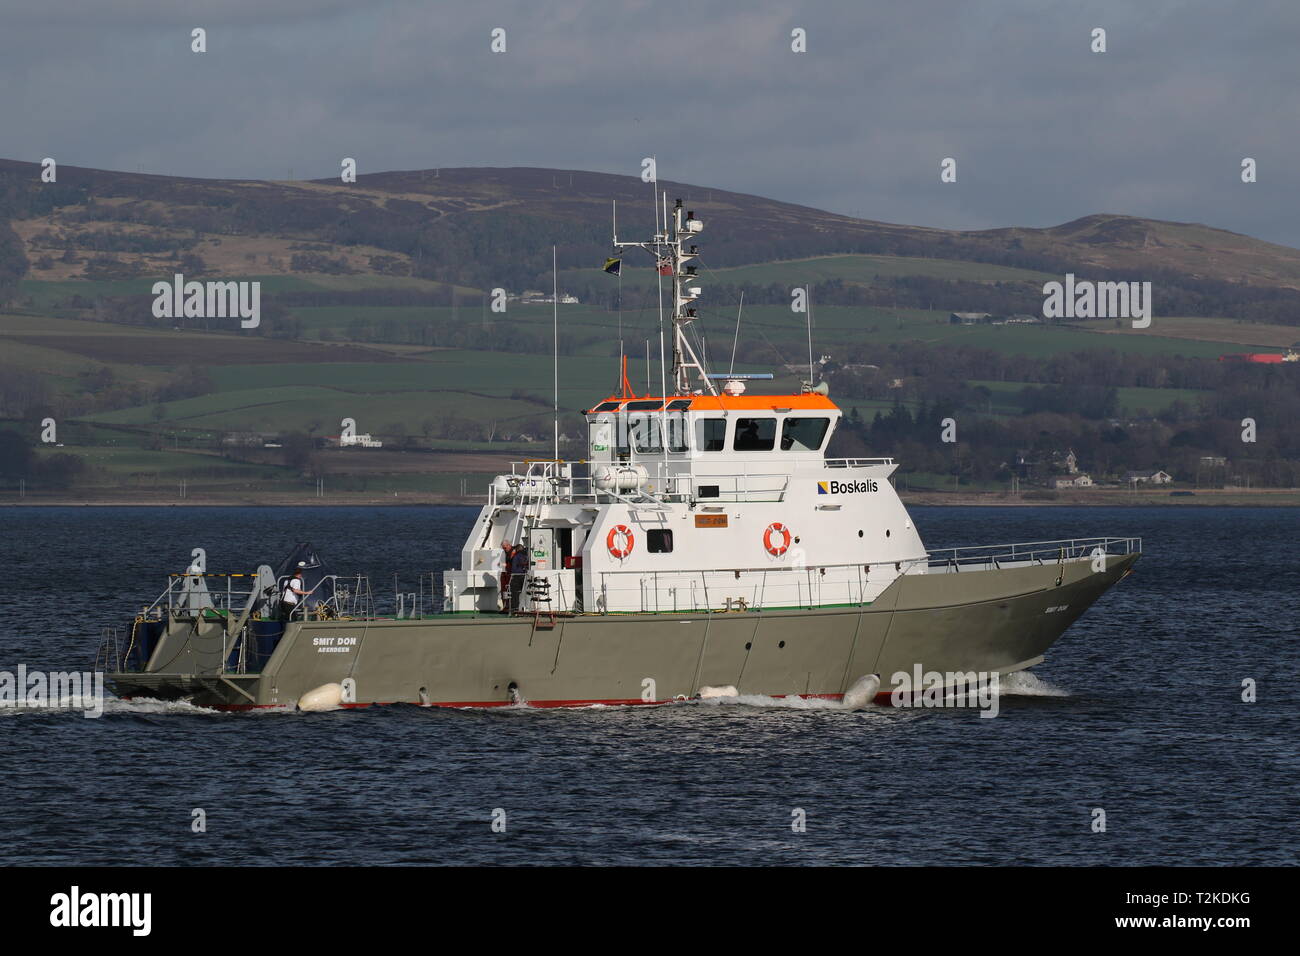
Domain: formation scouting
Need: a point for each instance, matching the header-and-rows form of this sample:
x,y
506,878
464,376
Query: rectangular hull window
x,y
659,541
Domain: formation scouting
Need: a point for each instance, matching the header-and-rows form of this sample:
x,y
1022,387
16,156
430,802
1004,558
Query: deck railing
x,y
348,596
855,584
181,594
547,481
856,462
1038,552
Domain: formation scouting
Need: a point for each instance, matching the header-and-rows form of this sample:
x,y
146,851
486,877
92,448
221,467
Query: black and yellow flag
x,y
612,266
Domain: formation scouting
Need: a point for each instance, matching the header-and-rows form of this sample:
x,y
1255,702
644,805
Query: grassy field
x,y
276,385
269,385
1132,401
838,325
89,342
865,269
380,397
471,372
44,293
1235,334
859,269
124,469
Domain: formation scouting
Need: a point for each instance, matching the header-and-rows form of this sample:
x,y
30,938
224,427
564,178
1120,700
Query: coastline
x,y
1107,498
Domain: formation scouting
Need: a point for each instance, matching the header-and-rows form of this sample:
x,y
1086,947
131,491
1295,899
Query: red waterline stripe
x,y
880,698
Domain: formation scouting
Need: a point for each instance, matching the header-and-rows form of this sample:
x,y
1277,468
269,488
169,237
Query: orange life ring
x,y
611,542
776,550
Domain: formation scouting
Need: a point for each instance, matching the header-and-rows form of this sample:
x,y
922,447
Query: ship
x,y
707,546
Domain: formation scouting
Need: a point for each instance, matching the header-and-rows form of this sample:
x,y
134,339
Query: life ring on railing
x,y
612,541
774,549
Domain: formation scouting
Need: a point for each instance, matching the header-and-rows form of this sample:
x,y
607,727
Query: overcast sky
x,y
1043,129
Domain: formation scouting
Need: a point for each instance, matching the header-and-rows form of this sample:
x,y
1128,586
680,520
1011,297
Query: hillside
x,y
1129,244
374,308
486,227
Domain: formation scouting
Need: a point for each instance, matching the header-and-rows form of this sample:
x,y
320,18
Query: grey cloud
x,y
1043,130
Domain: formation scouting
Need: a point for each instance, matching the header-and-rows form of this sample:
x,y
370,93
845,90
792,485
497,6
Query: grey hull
x,y
1000,620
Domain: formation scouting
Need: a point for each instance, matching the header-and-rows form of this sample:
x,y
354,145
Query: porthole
x,y
782,644
748,645
859,532
886,532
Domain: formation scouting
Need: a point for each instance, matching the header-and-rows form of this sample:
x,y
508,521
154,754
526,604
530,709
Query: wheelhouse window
x,y
659,540
647,439
644,406
755,434
606,407
648,430
677,426
803,434
711,434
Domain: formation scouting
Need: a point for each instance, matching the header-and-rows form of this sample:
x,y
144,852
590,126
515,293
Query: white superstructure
x,y
704,500
738,508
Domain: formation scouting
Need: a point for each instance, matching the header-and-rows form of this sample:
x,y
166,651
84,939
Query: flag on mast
x,y
613,266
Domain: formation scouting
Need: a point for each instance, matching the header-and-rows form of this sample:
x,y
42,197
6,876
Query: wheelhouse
x,y
710,429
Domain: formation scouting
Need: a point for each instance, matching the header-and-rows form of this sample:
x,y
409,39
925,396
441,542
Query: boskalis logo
x,y
846,487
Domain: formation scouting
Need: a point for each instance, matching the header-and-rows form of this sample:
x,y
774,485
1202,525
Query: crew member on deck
x,y
293,590
518,572
508,553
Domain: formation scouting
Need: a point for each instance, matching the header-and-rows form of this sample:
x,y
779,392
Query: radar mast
x,y
673,254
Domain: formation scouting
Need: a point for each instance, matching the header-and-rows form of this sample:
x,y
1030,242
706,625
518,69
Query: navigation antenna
x,y
672,256
736,340
555,343
622,355
811,383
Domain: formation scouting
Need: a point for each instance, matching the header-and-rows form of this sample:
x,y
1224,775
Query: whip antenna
x,y
555,341
735,340
810,358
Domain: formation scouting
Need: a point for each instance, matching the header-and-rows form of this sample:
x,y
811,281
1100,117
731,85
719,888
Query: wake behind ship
x,y
705,545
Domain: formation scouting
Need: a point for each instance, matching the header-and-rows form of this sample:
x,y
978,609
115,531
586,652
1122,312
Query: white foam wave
x,y
77,705
152,706
1028,684
148,705
793,702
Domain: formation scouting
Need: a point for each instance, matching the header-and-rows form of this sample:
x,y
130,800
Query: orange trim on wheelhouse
x,y
766,403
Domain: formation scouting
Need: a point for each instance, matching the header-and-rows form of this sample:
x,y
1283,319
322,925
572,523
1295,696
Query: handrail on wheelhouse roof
x,y
806,401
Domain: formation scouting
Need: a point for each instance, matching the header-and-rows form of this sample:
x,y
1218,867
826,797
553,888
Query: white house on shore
x,y
1148,478
1070,481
